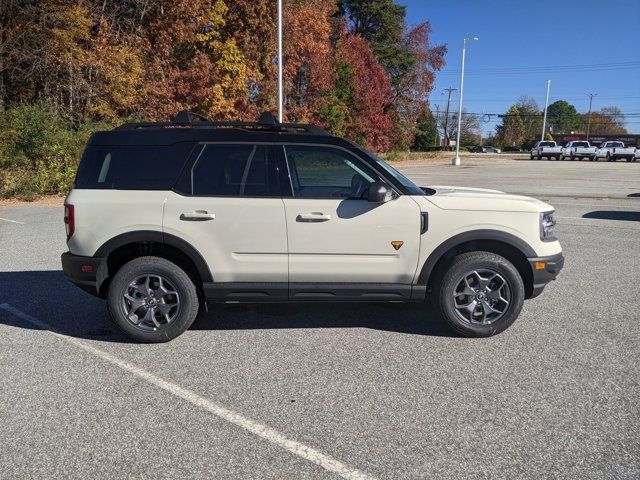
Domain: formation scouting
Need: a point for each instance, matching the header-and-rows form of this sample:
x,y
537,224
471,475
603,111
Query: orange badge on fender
x,y
397,244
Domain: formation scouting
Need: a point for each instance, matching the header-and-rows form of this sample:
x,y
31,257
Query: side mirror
x,y
379,192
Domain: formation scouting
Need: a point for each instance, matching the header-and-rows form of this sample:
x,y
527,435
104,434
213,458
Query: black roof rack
x,y
266,123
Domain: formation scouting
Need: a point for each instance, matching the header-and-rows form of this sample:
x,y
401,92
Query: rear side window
x,y
235,170
132,167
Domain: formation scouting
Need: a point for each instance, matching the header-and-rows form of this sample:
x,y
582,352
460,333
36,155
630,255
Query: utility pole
x,y
435,134
280,61
590,95
446,116
546,104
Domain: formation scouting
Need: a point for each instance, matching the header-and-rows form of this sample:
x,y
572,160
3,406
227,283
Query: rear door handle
x,y
313,217
197,216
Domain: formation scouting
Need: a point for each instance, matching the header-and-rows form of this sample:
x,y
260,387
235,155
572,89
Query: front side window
x,y
325,172
410,187
232,170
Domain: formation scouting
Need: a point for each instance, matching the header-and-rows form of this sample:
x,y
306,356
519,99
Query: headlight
x,y
547,225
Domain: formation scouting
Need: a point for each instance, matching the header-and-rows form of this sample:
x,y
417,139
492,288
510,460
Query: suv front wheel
x,y
152,300
480,294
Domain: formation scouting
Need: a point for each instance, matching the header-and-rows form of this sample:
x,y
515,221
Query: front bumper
x,y
88,273
545,269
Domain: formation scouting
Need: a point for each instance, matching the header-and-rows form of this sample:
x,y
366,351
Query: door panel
x,y
245,242
354,243
334,235
232,213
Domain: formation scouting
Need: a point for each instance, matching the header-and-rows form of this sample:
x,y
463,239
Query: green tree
x,y
426,132
382,24
562,117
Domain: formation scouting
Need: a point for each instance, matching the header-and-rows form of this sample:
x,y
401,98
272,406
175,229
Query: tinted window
x,y
324,172
615,144
132,167
580,144
547,144
412,188
235,170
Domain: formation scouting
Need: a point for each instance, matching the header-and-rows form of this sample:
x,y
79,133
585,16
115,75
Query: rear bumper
x,y
87,273
545,269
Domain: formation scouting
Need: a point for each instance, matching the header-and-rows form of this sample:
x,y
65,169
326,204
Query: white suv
x,y
167,217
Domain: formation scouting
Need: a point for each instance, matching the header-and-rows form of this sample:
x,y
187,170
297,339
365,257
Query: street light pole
x,y
456,161
280,61
590,95
546,104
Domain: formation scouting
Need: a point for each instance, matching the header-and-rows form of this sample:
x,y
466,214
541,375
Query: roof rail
x,y
266,123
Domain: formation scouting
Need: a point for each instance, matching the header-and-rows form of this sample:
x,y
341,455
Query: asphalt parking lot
x,y
323,391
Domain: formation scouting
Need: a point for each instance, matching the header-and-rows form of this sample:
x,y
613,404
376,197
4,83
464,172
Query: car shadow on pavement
x,y
50,298
613,215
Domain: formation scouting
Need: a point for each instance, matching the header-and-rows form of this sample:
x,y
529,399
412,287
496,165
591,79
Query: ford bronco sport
x,y
167,217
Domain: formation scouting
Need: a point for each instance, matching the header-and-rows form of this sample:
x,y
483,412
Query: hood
x,y
482,199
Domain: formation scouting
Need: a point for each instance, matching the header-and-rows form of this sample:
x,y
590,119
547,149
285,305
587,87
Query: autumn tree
x,y
469,127
608,121
511,131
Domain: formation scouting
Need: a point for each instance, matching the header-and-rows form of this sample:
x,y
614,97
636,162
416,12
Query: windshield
x,y
412,188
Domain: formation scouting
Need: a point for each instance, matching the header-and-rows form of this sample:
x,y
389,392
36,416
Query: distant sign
x,y
628,140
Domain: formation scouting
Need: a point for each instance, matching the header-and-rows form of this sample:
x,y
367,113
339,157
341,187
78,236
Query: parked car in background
x,y
578,149
612,151
546,148
484,149
512,149
637,155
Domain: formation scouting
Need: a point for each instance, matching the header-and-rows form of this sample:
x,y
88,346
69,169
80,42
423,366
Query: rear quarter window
x,y
132,167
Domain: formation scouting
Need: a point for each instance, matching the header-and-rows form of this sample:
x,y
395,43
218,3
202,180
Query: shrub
x,y
40,151
27,131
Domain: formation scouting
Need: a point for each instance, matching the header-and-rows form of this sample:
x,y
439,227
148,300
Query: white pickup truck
x,y
546,148
578,149
612,151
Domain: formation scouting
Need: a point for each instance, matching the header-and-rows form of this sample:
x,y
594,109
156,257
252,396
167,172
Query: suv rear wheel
x,y
480,294
152,300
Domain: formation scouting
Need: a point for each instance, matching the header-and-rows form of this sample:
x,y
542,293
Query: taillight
x,y
69,220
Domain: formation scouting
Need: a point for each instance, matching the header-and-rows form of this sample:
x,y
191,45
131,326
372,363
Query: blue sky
x,y
521,34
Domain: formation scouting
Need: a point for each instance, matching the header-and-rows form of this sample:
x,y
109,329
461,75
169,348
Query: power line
x,y
551,69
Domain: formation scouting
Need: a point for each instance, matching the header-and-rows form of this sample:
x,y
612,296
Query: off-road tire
x,y
181,282
452,275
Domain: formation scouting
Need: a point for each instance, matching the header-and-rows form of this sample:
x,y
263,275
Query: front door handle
x,y
197,216
313,217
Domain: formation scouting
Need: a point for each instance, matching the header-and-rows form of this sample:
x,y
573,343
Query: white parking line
x,y
12,221
292,446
